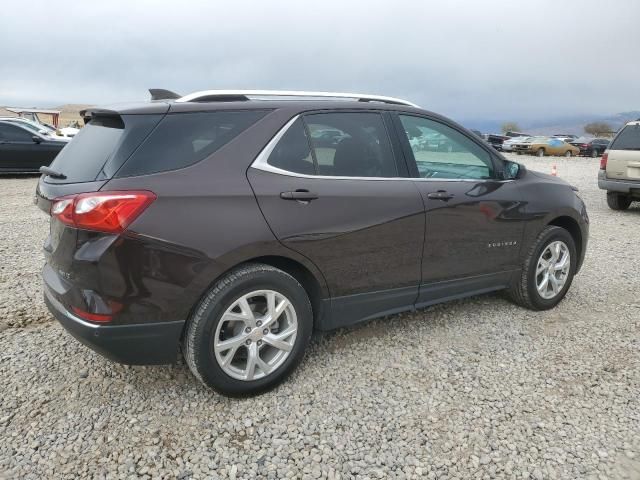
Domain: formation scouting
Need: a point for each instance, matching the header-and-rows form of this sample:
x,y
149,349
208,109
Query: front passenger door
x,y
18,151
474,222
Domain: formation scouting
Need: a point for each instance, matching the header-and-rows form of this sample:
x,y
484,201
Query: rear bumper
x,y
143,344
622,186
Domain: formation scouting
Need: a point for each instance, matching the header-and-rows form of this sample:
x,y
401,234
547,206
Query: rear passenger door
x,y
333,186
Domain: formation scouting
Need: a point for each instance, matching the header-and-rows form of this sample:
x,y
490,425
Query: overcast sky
x,y
466,59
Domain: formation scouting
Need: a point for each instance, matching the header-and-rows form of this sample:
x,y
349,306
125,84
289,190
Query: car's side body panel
x,y
362,240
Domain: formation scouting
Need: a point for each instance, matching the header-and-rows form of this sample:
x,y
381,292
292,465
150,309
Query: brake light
x,y
585,145
93,317
603,161
109,212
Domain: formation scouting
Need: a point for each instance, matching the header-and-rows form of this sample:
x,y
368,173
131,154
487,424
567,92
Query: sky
x,y
497,60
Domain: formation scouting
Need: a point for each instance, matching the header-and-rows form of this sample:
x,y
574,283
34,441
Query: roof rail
x,y
243,95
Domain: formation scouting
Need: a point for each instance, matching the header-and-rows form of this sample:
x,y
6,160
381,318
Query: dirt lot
x,y
472,389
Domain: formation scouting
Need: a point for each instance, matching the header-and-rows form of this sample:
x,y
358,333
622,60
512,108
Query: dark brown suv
x,y
233,224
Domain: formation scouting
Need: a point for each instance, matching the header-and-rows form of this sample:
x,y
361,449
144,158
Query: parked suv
x,y
224,223
620,168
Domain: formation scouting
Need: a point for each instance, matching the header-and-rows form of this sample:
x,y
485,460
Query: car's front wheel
x,y
547,271
568,153
594,153
618,201
249,331
540,152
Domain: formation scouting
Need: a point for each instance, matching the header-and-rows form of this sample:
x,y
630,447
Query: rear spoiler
x,y
88,113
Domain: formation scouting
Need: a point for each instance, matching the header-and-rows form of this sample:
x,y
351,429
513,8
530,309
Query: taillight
x,y
93,317
585,145
603,161
109,212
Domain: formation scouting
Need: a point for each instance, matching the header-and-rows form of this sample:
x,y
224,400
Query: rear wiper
x,y
52,173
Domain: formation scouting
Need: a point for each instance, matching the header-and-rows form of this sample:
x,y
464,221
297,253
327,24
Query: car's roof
x,y
300,105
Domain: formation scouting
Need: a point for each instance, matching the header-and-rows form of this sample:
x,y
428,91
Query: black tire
x,y
618,201
198,340
568,153
524,291
540,152
594,153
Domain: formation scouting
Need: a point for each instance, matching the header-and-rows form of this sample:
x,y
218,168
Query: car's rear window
x,y
627,139
101,147
183,139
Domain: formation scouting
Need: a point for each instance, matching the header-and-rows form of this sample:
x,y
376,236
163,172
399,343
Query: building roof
x,y
32,110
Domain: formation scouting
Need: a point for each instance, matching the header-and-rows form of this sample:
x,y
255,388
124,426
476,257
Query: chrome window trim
x,y
294,93
260,163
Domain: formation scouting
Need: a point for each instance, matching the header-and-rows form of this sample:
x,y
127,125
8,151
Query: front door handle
x,y
302,195
440,195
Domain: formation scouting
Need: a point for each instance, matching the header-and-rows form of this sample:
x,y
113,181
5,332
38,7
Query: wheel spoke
x,y
231,343
543,285
252,360
555,287
264,366
564,261
247,313
279,340
542,266
231,346
275,310
234,317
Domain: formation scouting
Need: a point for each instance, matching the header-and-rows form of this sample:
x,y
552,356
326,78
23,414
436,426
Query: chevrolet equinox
x,y
230,224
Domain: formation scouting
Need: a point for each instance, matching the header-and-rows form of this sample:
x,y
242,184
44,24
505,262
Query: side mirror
x,y
36,139
513,170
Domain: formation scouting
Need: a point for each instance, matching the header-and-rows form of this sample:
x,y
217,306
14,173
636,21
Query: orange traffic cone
x,y
554,170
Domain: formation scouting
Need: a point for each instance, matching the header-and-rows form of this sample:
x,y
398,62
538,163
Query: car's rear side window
x,y
628,139
183,139
292,153
351,144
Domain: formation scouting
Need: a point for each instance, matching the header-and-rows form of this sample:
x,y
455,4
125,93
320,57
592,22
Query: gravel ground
x,y
471,389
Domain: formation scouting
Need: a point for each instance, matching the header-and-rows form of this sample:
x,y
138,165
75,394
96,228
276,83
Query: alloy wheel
x,y
552,270
255,335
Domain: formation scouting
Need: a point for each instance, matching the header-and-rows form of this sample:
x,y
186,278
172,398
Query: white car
x,y
507,145
68,132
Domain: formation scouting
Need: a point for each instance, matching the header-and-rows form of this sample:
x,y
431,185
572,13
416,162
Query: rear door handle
x,y
440,195
302,195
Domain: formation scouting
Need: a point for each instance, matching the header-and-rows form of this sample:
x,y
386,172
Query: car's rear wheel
x,y
568,153
618,201
594,153
547,271
249,331
540,152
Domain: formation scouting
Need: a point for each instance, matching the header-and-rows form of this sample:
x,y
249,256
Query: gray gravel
x,y
472,389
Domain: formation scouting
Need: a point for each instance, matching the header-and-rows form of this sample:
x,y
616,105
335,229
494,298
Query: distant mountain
x,y
574,124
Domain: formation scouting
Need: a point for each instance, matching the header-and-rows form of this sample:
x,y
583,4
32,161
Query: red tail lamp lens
x,y
603,161
92,317
109,212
